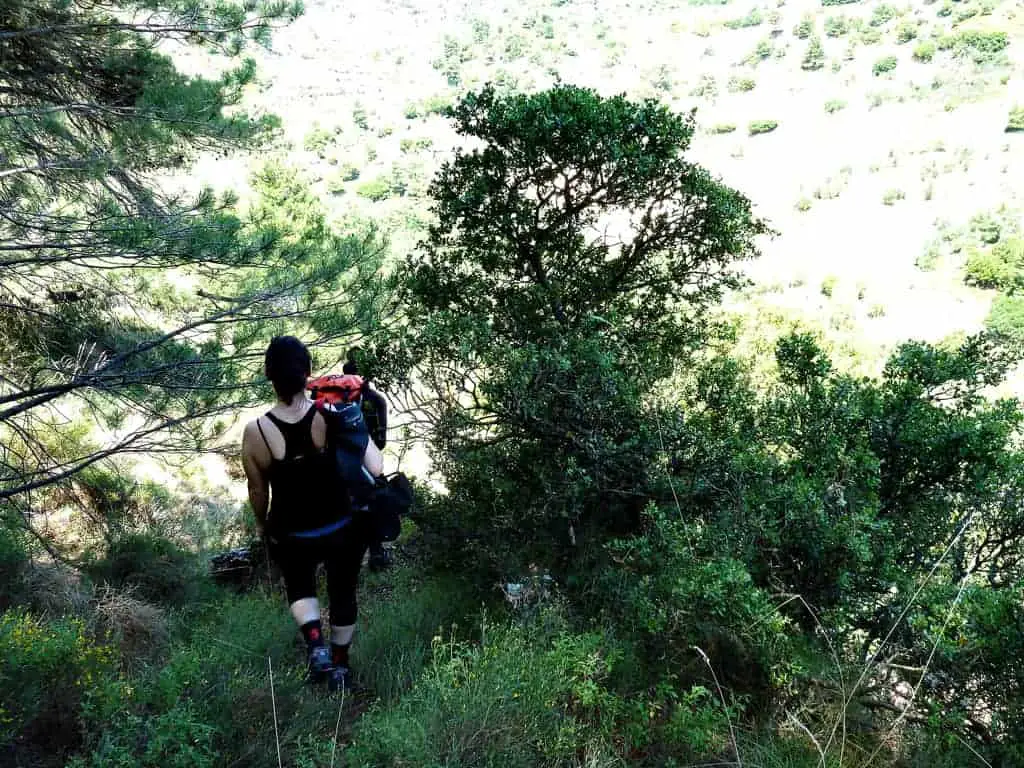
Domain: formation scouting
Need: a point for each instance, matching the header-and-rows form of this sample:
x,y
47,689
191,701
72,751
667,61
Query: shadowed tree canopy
x,y
132,316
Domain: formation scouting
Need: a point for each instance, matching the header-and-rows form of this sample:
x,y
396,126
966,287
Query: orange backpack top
x,y
336,389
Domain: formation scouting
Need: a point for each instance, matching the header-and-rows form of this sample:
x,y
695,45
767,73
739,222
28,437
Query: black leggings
x,y
342,552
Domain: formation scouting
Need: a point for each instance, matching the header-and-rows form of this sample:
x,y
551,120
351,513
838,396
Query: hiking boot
x,y
320,665
340,679
380,559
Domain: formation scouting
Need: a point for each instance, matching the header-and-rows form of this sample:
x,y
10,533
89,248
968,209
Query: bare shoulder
x,y
253,444
250,433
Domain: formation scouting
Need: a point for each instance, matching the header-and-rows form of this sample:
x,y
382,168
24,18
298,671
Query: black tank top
x,y
306,489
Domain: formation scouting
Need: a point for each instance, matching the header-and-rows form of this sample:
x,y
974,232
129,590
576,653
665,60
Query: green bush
x,y
762,126
158,570
882,14
377,189
828,285
836,26
668,577
870,35
907,31
411,111
13,561
317,140
415,145
982,46
741,84
885,64
177,738
763,50
1000,267
1006,318
803,204
349,172
814,58
55,680
722,128
1015,122
360,117
892,195
752,19
805,28
924,51
834,105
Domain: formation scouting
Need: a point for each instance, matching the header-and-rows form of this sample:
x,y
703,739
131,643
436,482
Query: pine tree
x,y
133,316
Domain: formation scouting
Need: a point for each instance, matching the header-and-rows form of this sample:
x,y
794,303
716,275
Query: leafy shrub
x,y
877,310
722,128
924,51
349,172
13,561
411,111
834,105
828,285
982,46
415,145
882,14
317,140
805,28
870,35
208,703
360,118
741,84
1006,318
907,31
836,26
707,87
53,677
1015,122
814,58
176,738
762,126
803,204
670,577
885,64
1000,267
156,569
377,189
752,19
892,195
763,50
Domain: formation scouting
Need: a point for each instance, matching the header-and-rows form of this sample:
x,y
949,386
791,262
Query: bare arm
x,y
373,460
256,464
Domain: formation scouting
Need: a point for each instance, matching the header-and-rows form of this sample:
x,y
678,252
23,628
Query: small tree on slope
x,y
573,259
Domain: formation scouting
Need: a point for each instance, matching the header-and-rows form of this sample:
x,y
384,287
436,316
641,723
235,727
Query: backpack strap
x,y
263,435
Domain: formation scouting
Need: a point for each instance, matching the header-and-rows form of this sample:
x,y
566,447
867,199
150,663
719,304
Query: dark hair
x,y
288,365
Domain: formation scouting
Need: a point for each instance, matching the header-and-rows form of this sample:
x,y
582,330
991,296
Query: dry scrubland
x,y
866,170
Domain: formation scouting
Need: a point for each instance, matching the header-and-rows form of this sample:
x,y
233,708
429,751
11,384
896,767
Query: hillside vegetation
x,y
701,328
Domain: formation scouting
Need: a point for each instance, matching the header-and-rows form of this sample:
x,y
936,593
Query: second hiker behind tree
x,y
375,412
302,507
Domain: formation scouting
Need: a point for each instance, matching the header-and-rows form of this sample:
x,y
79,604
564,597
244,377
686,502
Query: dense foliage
x,y
706,555
133,316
